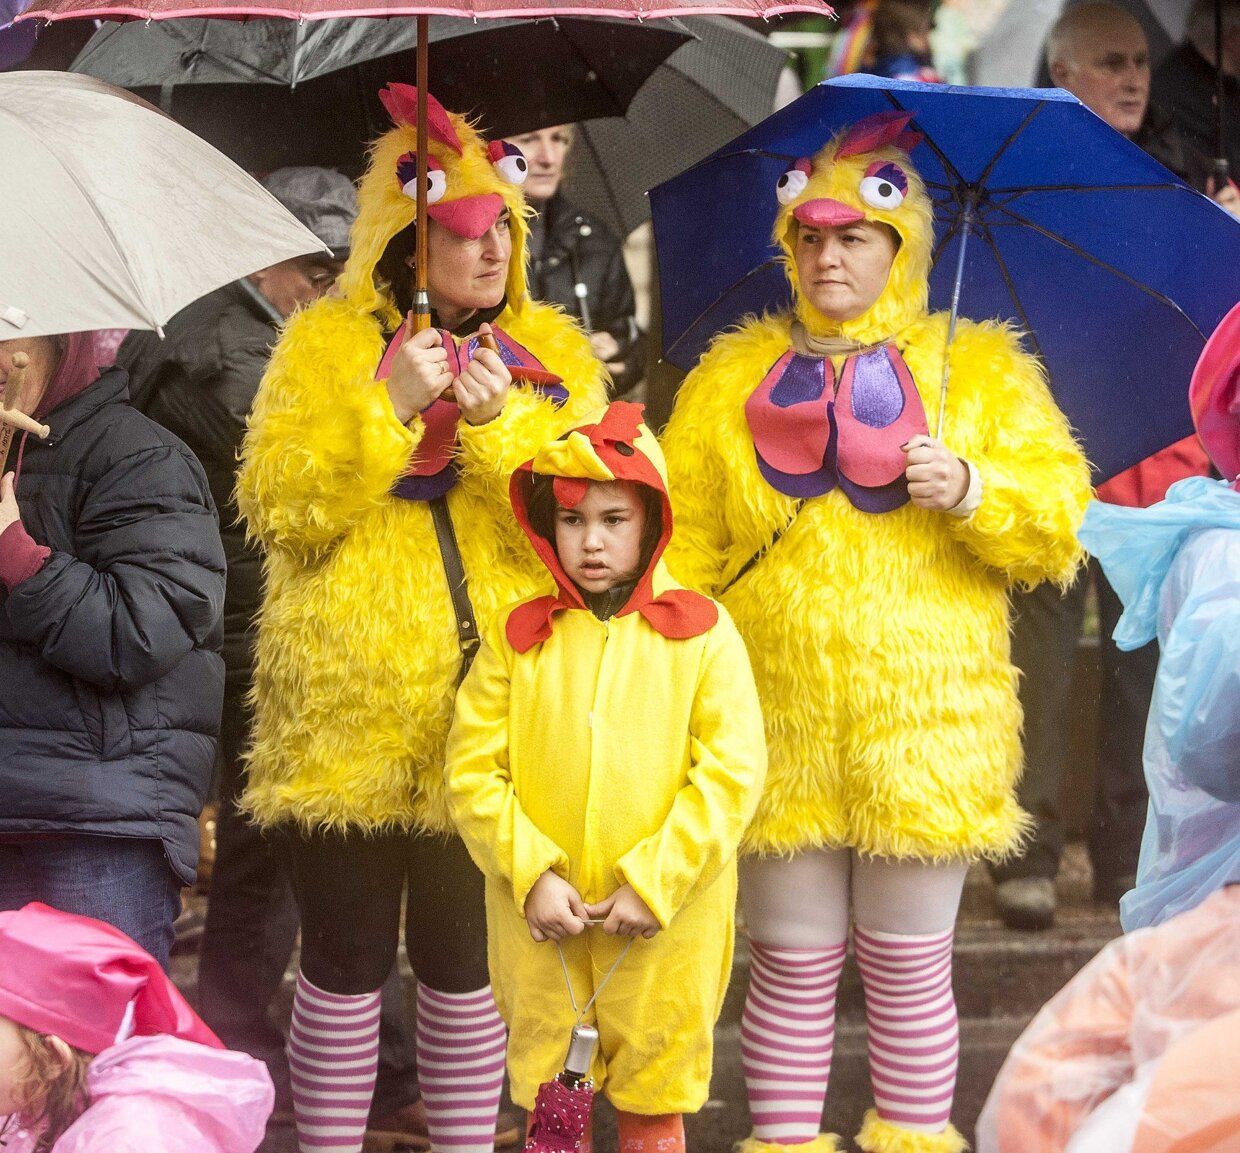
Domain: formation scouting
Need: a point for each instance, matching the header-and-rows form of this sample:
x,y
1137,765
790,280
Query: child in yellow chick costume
x,y
361,433
867,567
606,755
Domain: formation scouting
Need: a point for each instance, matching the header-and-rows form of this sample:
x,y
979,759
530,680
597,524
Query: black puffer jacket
x,y
199,383
111,681
577,248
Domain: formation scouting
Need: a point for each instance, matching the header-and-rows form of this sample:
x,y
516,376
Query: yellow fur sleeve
x,y
698,552
714,807
1035,479
324,444
493,451
502,840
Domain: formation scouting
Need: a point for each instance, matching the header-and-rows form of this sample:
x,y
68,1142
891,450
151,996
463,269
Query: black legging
x,y
348,887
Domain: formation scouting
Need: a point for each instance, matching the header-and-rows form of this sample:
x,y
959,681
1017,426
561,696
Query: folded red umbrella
x,y
561,1113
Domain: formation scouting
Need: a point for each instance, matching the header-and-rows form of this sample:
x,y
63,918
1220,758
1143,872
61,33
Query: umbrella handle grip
x,y
18,419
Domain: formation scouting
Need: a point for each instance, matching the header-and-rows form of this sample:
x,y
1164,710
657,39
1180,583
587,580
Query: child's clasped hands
x,y
554,910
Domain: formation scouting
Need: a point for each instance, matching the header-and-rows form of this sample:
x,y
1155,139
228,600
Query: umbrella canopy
x,y
271,92
114,216
1116,269
706,93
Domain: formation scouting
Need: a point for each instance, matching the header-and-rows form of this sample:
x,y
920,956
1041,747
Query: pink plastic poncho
x,y
1139,1053
162,1093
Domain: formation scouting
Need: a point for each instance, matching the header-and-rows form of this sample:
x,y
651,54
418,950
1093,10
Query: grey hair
x,y
1063,36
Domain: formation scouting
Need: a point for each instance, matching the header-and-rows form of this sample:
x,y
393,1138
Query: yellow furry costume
x,y
357,652
626,751
880,642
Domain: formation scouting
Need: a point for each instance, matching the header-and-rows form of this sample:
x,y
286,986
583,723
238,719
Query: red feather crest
x,y
401,102
879,130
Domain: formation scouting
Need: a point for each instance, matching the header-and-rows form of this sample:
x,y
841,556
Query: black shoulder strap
x,y
454,569
770,544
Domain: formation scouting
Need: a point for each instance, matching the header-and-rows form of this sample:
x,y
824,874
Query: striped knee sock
x,y
787,1036
914,1035
333,1051
460,1046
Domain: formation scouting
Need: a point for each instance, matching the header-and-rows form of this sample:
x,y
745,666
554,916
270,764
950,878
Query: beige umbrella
x,y
114,216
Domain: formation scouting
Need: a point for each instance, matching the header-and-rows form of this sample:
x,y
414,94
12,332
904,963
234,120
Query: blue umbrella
x,y
1044,216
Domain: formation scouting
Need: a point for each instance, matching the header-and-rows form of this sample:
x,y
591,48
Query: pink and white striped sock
x,y
787,1037
460,1045
914,1034
333,1052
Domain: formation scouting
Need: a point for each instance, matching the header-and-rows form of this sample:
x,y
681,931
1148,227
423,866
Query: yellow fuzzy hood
x,y
836,173
385,209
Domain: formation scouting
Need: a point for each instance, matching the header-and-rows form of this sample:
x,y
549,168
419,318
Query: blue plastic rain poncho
x,y
1176,566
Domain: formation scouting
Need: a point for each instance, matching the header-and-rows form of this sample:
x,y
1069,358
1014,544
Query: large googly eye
x,y
509,160
407,174
884,185
793,182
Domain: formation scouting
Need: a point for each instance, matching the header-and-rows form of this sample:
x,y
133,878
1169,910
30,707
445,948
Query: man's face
x,y
1108,70
545,152
291,284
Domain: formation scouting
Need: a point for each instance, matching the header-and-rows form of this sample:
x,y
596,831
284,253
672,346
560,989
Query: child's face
x,y
599,542
12,1065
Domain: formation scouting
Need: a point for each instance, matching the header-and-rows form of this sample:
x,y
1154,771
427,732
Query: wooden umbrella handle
x,y
11,417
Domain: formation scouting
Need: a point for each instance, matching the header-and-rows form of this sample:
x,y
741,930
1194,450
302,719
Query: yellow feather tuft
x,y
823,1143
879,1136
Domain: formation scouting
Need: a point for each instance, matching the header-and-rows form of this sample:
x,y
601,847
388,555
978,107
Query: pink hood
x,y
196,1099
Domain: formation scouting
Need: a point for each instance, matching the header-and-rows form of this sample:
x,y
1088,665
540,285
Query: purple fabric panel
x,y
886,498
426,487
877,398
803,379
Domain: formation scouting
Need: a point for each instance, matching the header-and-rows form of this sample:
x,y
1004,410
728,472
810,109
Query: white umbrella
x,y
114,216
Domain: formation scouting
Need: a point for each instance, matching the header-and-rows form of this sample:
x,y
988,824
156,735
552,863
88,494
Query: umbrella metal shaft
x,y
421,301
966,228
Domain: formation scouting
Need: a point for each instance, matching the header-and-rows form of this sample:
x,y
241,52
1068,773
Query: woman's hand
x,y
554,909
627,915
482,388
9,512
419,375
937,478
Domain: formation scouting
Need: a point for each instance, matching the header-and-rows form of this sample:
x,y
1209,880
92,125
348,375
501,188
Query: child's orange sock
x,y
640,1134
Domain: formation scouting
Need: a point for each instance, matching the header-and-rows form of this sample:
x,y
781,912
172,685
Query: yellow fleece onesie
x,y
357,652
879,641
612,753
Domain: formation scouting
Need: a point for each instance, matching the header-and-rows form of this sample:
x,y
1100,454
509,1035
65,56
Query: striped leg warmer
x,y
460,1046
333,1052
913,1035
787,1037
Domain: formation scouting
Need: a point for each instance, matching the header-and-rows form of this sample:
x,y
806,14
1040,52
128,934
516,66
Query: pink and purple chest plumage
x,y
811,435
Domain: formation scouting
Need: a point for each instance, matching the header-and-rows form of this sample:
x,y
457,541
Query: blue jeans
x,y
125,881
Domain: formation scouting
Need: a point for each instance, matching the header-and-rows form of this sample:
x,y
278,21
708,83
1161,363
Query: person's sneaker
x,y
1026,903
406,1129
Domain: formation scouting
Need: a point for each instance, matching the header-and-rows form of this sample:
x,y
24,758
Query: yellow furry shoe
x,y
823,1143
879,1136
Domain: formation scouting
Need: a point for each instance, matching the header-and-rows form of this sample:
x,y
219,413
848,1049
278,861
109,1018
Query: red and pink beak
x,y
823,212
470,216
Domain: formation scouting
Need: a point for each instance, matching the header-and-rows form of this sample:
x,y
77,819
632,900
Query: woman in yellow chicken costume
x,y
367,444
867,566
606,755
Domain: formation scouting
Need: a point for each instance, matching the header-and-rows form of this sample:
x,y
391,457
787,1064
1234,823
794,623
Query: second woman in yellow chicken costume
x,y
366,446
867,566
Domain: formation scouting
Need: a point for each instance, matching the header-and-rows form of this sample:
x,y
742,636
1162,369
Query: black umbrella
x,y
707,93
271,92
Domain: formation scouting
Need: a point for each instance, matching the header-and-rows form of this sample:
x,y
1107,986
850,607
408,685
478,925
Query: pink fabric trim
x,y
20,556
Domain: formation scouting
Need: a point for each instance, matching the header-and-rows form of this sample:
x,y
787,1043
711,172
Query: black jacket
x,y
110,676
577,249
199,382
1182,90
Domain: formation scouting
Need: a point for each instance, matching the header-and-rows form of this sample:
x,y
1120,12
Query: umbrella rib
x,y
598,77
948,166
1033,112
768,263
1022,190
947,239
1011,287
1077,250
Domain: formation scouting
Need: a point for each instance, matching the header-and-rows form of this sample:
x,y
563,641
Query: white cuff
x,y
972,495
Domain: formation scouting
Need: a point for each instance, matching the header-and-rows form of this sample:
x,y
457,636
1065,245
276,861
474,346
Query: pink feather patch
x,y
401,102
876,131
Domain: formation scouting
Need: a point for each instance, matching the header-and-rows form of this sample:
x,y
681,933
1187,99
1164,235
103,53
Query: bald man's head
x,y
1098,52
